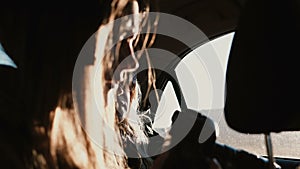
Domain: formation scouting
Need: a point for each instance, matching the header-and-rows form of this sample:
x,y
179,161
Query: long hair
x,y
69,144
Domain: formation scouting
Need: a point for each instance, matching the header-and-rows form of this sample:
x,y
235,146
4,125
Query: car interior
x,y
258,96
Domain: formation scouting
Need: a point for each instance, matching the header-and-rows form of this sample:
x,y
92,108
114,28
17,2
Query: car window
x,y
195,81
168,104
5,59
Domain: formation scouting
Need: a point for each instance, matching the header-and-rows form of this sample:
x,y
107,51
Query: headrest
x,y
263,81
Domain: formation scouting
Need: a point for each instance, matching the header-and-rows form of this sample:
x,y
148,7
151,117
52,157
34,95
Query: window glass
x,y
168,104
5,59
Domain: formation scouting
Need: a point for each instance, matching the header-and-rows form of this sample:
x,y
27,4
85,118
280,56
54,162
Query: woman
x,y
44,43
